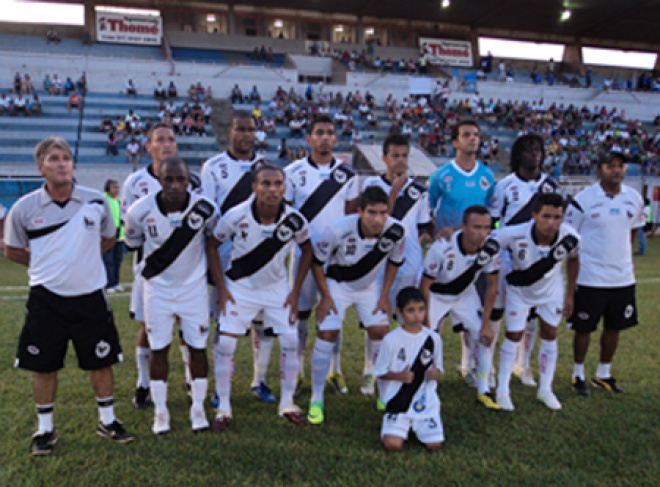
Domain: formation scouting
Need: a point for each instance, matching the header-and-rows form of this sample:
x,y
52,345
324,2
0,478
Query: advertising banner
x,y
129,29
447,52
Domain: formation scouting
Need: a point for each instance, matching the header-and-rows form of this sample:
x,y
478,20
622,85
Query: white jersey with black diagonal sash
x,y
259,251
536,273
400,350
453,270
412,210
64,239
514,198
173,243
355,260
320,193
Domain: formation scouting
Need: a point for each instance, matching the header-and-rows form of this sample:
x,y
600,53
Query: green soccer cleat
x,y
315,415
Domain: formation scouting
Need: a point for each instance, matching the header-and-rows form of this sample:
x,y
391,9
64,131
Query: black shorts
x,y
52,320
616,306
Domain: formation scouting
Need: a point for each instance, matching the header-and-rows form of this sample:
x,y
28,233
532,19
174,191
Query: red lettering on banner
x,y
440,50
117,25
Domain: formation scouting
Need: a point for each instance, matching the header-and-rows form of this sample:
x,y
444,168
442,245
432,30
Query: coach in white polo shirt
x,y
603,214
67,228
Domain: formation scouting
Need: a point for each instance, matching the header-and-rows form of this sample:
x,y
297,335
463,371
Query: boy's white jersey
x,y
227,181
417,352
355,260
536,270
453,270
173,243
320,193
514,198
412,210
259,251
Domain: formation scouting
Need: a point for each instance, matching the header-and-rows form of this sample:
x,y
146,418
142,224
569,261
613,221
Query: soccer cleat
x,y
504,400
293,414
110,290
549,399
263,393
161,423
380,405
114,430
198,420
315,415
215,400
336,380
368,385
608,384
119,288
527,377
42,443
488,401
579,386
471,379
221,421
142,399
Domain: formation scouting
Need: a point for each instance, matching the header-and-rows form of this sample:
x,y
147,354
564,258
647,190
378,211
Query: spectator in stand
x,y
356,138
52,36
171,108
188,124
199,127
81,85
283,150
17,84
47,82
111,144
172,92
192,93
133,153
69,86
121,128
295,127
254,95
206,112
75,101
261,139
269,126
209,93
56,87
34,106
177,120
200,91
28,86
301,153
20,105
159,91
86,38
236,94
131,89
258,114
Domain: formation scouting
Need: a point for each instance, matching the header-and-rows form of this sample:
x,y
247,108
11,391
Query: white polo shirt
x,y
604,222
64,241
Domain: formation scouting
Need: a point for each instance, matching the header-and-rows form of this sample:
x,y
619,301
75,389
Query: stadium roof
x,y
618,20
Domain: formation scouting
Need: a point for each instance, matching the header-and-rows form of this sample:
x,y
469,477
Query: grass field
x,y
604,440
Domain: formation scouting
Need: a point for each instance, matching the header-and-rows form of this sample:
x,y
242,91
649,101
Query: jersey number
x,y
303,180
153,230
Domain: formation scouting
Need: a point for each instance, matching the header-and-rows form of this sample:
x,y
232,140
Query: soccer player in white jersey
x,y
603,214
60,232
323,190
451,267
262,231
512,204
170,226
161,143
408,366
355,249
537,250
409,203
227,180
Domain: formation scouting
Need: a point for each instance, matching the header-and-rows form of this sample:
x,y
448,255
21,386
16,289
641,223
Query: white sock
x,y
262,347
320,366
547,364
289,367
198,390
336,354
159,395
106,410
466,359
603,371
375,351
45,415
507,358
223,355
185,358
142,357
368,356
482,356
578,371
303,332
528,342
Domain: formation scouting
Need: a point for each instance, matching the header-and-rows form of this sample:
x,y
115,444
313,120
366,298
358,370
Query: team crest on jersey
x,y
385,245
628,311
546,188
448,179
340,176
483,182
284,233
89,223
413,192
32,350
102,349
426,356
559,253
195,221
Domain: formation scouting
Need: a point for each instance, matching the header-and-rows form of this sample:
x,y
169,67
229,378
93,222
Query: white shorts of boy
x,y
163,305
464,309
365,301
137,299
249,302
428,429
550,309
